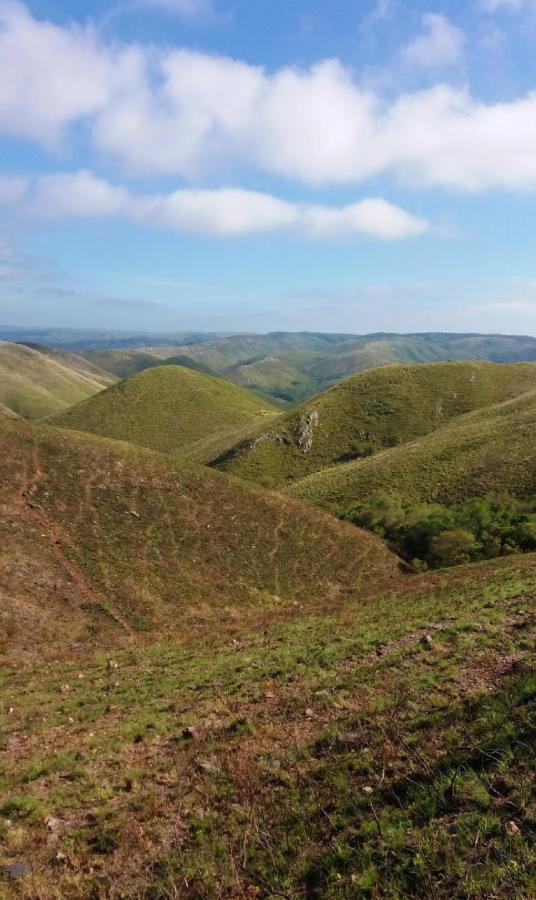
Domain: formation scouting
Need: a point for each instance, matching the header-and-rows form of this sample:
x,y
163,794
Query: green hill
x,y
35,383
486,453
167,408
294,366
102,541
212,690
121,363
366,413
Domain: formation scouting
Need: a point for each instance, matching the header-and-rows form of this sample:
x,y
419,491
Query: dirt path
x,y
58,541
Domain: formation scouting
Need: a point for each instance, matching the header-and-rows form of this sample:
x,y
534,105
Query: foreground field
x,y
357,749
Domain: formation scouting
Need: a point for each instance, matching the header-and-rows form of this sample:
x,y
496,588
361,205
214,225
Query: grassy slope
x,y
371,411
167,408
121,363
334,756
34,384
102,540
489,452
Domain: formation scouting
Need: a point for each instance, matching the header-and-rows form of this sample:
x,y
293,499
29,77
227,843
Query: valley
x,y
225,669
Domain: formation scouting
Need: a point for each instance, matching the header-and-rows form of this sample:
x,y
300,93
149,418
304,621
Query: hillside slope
x,y
34,384
487,453
102,541
167,408
379,408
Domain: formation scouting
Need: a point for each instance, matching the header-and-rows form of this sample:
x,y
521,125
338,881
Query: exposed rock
x,y
52,823
348,738
204,765
305,431
427,641
18,870
309,712
368,789
190,733
511,829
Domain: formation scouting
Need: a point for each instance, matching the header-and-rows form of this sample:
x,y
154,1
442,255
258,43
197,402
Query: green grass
x,y
487,453
291,722
366,413
167,408
103,542
34,384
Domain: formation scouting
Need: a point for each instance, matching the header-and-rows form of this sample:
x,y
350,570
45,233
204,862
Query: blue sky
x,y
358,166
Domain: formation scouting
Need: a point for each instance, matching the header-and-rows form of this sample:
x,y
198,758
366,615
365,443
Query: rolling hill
x,y
486,453
103,542
366,413
37,382
293,367
167,408
212,690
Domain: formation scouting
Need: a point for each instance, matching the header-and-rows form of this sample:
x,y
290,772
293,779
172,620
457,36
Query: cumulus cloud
x,y
226,212
440,46
179,112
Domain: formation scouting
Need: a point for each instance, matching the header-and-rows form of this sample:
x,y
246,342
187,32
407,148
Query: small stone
x,y
323,693
204,765
511,829
134,514
368,789
52,823
427,641
309,712
189,733
65,688
348,738
269,695
60,859
18,870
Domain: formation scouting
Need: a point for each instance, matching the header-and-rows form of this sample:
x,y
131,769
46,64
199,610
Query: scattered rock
x,y
52,823
60,859
134,514
18,870
368,789
65,689
305,431
269,695
348,738
309,712
427,641
511,829
190,733
323,693
204,765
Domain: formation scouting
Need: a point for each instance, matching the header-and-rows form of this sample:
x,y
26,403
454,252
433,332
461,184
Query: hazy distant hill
x,y
293,367
167,408
368,412
36,382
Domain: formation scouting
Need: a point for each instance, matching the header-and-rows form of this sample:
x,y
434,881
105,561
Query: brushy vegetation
x,y
369,412
486,453
441,536
34,383
167,408
104,541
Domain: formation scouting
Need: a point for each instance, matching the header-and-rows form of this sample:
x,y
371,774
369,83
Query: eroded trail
x,y
58,540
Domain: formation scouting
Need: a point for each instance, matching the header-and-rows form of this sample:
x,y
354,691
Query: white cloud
x,y
227,212
77,194
195,115
439,47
